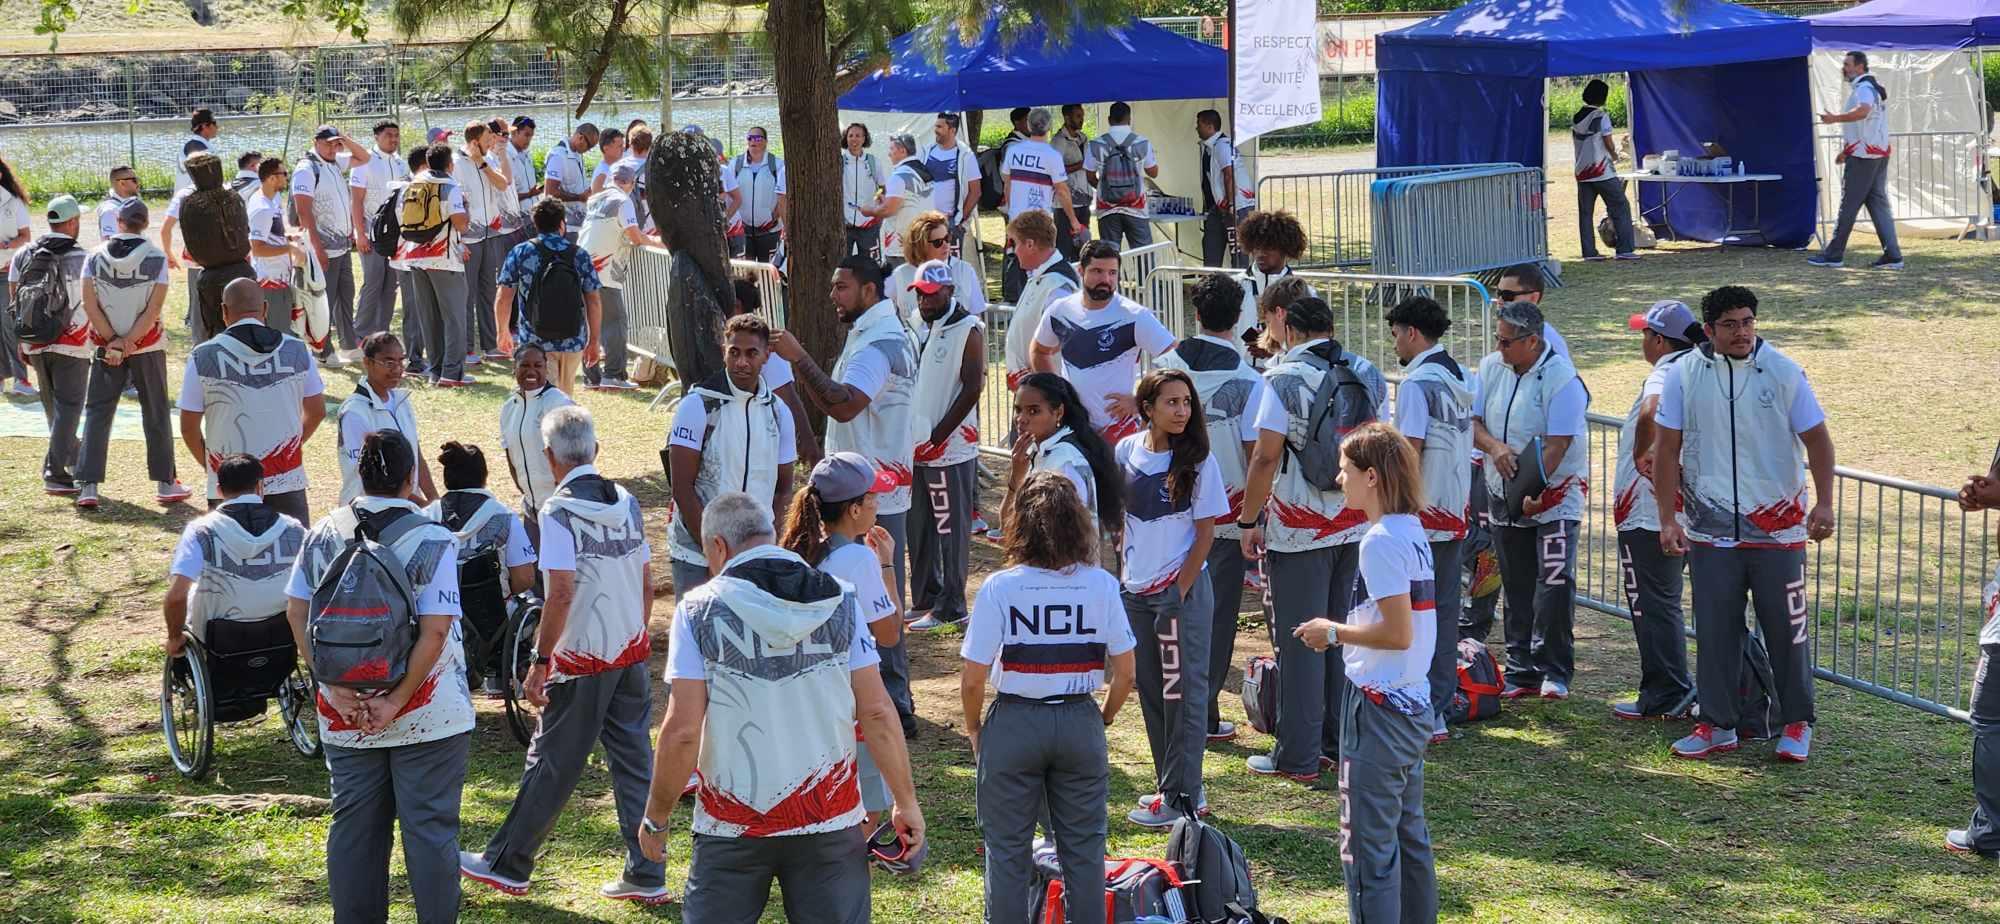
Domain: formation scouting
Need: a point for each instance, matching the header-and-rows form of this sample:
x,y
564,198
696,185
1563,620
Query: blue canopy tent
x,y
1467,87
1136,61
1911,24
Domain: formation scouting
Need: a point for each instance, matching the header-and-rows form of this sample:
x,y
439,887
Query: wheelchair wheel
x,y
516,658
187,711
298,705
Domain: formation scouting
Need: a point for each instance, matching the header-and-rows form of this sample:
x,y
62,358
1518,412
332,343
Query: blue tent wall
x,y
1770,130
1926,24
1484,120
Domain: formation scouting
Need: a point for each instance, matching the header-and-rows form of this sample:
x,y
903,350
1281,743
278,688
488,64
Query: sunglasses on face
x,y
940,242
1506,342
1508,295
753,137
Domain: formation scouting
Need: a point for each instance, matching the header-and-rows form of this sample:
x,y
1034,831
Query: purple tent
x,y
1910,24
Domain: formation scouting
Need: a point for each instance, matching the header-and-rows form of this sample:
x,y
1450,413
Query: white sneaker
x,y
21,389
473,866
620,890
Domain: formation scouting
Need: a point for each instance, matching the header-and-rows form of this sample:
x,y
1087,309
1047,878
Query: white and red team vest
x,y
1743,474
739,452
251,403
1632,502
607,628
881,433
1227,387
1517,410
1869,137
1302,517
1447,445
942,348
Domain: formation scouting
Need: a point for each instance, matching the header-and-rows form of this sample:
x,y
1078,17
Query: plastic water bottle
x,y
1740,171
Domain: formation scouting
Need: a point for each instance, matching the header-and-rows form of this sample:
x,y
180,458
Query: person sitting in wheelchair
x,y
228,591
495,558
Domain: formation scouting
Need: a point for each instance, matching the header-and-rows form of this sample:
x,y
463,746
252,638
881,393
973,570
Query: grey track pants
x,y
1612,191
1134,231
687,577
375,304
1864,181
895,665
482,275
824,878
146,372
64,382
1538,578
1043,761
440,302
1172,683
614,328
1302,586
1985,826
1774,582
940,536
415,788
1653,593
1385,844
1225,585
1444,655
415,355
612,707
11,365
340,301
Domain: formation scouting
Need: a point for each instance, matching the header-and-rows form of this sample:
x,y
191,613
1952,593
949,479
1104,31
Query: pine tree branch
x,y
601,59
473,43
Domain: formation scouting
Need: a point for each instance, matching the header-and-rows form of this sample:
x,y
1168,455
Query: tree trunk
x,y
809,115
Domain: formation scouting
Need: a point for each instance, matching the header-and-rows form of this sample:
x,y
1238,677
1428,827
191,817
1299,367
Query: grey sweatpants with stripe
x,y
824,878
1984,829
612,707
482,275
941,538
1385,844
1172,683
375,304
1043,761
1444,655
895,665
1864,182
340,302
414,787
1303,586
1538,578
1653,593
1773,581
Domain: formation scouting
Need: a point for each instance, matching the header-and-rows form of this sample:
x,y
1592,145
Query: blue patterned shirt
x,y
518,272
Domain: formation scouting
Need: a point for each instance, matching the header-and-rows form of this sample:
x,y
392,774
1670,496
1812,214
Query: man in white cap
x,y
62,363
610,233
951,374
1652,578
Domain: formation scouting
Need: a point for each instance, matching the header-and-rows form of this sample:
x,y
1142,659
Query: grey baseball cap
x,y
1668,318
844,476
625,172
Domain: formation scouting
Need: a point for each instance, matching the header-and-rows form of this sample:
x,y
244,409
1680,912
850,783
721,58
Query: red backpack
x,y
1478,695
1134,888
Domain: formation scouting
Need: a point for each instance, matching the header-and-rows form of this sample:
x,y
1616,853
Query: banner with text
x,y
1277,66
1347,46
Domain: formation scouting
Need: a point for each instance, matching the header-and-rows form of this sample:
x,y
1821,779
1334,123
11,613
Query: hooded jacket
x,y
881,432
124,270
364,413
1303,517
247,554
777,641
1447,444
1632,503
1226,385
1047,283
483,522
607,628
521,436
253,383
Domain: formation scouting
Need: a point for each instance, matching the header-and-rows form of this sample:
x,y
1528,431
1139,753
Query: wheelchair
x,y
231,677
499,637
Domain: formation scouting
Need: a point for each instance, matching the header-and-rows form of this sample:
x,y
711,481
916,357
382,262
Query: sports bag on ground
x,y
1478,695
1339,405
1136,891
420,212
1756,708
215,226
1260,693
555,306
362,621
1215,875
40,309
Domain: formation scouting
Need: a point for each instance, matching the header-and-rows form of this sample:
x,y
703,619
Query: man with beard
x,y
1094,339
951,373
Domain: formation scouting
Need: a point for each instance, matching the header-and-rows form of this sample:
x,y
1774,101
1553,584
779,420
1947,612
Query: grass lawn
x,y
1551,813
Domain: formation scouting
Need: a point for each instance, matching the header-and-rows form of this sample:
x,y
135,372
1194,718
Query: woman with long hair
x,y
1173,493
1042,631
831,524
929,238
15,233
1385,642
1053,434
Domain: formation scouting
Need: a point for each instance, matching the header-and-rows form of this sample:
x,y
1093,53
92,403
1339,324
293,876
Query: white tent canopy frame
x,y
1938,133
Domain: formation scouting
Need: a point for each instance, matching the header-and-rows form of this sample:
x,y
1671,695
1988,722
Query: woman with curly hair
x,y
1272,240
929,238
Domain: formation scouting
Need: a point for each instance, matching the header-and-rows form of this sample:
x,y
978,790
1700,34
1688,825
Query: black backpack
x,y
992,162
555,308
41,309
385,227
1340,404
1215,875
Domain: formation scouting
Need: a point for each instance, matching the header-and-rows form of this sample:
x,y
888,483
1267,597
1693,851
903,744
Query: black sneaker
x,y
1886,264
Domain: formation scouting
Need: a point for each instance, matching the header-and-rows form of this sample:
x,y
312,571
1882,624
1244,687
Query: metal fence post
x,y
131,116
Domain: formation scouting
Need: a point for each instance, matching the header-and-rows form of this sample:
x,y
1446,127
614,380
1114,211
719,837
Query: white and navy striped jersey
x,y
1047,633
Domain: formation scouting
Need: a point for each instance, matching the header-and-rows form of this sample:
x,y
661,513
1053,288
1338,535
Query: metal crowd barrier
x,y
1894,596
1933,176
1335,210
648,286
1466,221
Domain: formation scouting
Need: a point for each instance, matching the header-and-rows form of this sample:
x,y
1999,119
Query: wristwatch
x,y
647,825
541,660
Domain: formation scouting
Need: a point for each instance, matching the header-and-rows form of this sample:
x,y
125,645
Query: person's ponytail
x,y
805,530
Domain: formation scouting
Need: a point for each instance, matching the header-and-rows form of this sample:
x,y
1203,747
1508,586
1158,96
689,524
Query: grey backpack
x,y
362,622
1214,874
1338,405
